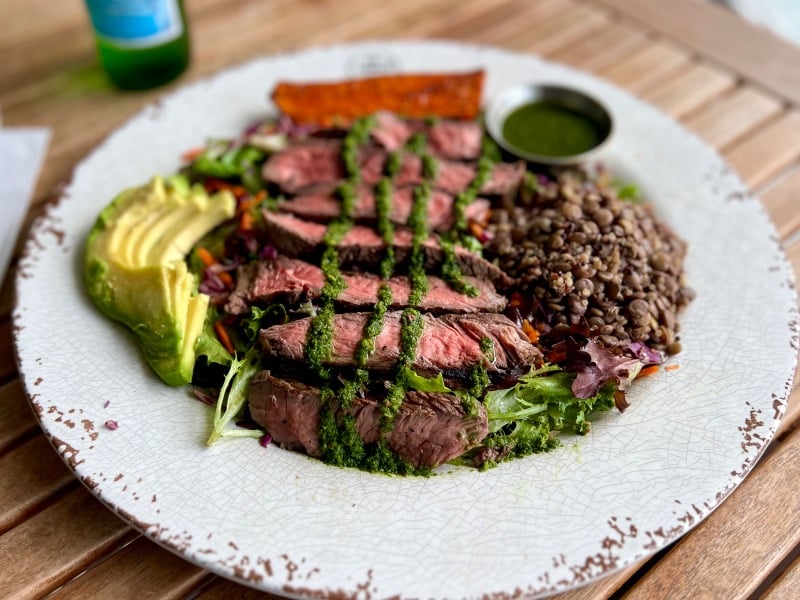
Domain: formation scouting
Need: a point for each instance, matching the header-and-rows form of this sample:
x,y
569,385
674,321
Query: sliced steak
x,y
291,280
456,140
281,280
453,140
450,344
305,164
363,248
324,207
318,162
451,177
429,430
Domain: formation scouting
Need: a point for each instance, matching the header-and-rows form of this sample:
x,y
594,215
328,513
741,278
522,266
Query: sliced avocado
x,y
135,269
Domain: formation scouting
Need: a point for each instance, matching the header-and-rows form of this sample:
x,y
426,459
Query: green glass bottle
x,y
141,43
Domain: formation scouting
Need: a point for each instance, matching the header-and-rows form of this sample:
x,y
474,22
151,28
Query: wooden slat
x,y
7,292
653,64
559,31
791,419
768,150
723,36
787,585
57,544
219,589
140,570
741,542
506,21
732,116
604,48
691,89
16,416
40,20
782,200
29,475
493,18
7,366
600,589
364,23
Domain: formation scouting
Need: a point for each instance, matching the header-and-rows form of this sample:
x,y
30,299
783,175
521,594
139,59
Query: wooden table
x,y
736,86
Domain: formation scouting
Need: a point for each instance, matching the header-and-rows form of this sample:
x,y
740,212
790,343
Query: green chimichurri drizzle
x,y
319,341
451,271
459,234
411,326
478,379
383,207
468,196
417,143
340,443
374,326
418,223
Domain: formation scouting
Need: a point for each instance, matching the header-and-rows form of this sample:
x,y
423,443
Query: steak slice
x,y
317,162
363,248
291,280
453,140
429,429
451,177
324,207
449,344
305,164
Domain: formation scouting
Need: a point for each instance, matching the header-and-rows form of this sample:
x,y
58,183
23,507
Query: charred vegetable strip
x,y
447,95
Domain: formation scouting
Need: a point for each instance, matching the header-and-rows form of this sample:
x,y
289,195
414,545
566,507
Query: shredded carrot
x,y
209,261
251,202
476,230
648,371
529,330
224,338
206,256
212,184
246,221
192,154
672,367
226,278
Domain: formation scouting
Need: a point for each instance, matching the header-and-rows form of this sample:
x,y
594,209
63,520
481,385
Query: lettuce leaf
x,y
525,418
233,397
425,384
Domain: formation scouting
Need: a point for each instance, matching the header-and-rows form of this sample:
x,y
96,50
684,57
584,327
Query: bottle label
x,y
136,23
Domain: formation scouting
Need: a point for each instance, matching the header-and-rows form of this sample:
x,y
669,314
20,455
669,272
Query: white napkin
x,y
22,151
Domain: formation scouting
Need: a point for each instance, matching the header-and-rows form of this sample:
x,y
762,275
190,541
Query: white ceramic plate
x,y
281,522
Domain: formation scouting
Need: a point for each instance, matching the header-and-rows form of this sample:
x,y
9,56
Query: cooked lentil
x,y
582,254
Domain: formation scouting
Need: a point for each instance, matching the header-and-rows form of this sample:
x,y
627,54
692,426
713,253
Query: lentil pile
x,y
584,256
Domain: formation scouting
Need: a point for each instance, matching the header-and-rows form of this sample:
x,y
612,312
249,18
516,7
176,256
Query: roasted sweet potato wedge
x,y
446,95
